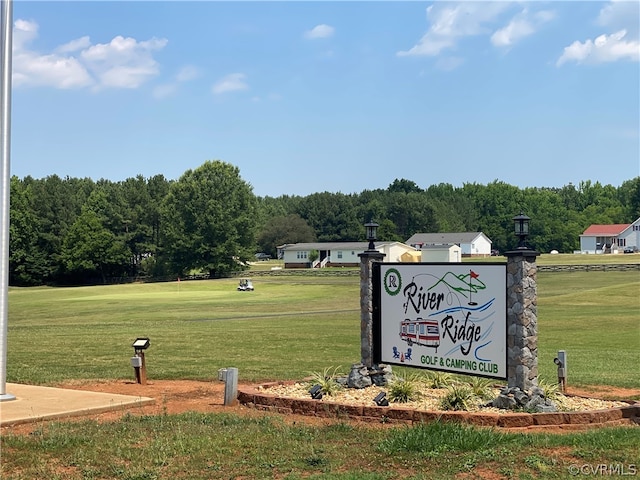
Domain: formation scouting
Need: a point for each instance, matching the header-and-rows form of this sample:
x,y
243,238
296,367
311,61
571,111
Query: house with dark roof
x,y
472,244
610,238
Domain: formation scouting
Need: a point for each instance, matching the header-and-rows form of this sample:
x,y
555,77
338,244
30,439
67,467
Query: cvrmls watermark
x,y
604,469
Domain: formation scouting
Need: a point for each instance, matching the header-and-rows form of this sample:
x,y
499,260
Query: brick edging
x,y
259,399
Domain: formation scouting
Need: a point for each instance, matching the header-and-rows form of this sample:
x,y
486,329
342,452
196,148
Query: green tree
x,y
284,229
332,216
404,186
411,213
629,197
27,262
89,248
56,203
209,221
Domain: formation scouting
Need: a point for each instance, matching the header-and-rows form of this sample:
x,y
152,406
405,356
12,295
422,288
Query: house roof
x,y
444,238
332,246
606,230
444,246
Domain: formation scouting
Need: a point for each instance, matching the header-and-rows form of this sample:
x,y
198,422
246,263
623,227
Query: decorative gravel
x,y
429,398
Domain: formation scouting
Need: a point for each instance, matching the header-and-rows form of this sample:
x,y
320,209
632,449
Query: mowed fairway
x,y
595,317
285,329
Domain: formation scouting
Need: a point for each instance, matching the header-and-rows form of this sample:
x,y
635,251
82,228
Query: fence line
x,y
590,268
352,272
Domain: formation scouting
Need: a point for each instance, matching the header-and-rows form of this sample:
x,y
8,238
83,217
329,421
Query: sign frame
x,y
432,316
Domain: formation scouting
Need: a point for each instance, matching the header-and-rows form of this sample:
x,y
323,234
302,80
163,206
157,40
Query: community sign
x,y
449,317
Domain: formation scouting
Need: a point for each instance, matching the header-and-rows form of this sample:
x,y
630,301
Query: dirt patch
x,y
171,397
179,396
605,392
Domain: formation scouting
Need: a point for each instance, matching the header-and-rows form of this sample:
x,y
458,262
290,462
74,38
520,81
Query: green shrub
x,y
439,379
481,387
457,397
404,389
327,379
551,390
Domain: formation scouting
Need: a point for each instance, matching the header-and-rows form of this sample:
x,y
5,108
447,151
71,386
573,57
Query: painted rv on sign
x,y
449,317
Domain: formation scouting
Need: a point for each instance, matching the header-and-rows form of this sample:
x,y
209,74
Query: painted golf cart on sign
x,y
449,317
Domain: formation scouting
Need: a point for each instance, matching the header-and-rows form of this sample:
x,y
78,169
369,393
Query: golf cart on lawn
x,y
245,285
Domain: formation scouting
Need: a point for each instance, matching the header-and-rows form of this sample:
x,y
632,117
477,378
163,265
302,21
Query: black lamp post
x,y
521,229
372,230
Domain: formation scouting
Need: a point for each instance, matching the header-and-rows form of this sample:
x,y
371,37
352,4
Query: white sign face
x,y
450,317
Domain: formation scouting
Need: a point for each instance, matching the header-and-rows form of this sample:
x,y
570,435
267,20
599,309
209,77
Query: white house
x,y
472,244
337,254
441,253
610,238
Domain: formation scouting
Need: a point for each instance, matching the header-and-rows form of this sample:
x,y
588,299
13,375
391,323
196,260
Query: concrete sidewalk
x,y
35,403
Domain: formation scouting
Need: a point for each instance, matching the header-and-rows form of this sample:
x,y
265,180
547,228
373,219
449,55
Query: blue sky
x,y
308,97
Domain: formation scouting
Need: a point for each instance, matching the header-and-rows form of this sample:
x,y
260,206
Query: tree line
x,y
68,231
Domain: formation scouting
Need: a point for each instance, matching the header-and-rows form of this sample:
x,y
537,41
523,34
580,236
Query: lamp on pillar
x,y
521,229
367,260
372,232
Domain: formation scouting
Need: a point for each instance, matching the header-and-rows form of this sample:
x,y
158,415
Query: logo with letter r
x,y
392,282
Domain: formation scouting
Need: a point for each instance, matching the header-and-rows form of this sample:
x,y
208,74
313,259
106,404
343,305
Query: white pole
x,y
6,30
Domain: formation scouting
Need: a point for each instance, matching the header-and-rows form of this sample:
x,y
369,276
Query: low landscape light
x,y
381,400
316,392
141,343
138,362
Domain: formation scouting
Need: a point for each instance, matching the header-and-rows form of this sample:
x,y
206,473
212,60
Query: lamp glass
x,y
372,229
521,224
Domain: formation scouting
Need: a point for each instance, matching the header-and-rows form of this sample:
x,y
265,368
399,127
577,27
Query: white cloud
x,y
121,63
75,45
619,15
522,25
605,48
32,69
320,31
231,83
185,74
621,42
24,32
429,45
514,31
451,22
55,71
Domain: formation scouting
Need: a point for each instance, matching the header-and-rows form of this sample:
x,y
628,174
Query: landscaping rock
x,y
362,377
512,398
359,377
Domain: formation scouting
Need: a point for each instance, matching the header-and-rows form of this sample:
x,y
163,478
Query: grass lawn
x,y
219,446
285,329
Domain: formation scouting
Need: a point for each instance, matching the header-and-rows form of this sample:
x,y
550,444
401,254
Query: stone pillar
x,y
522,319
366,305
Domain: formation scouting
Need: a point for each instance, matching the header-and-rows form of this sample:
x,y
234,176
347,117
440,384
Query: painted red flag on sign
x,y
473,274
